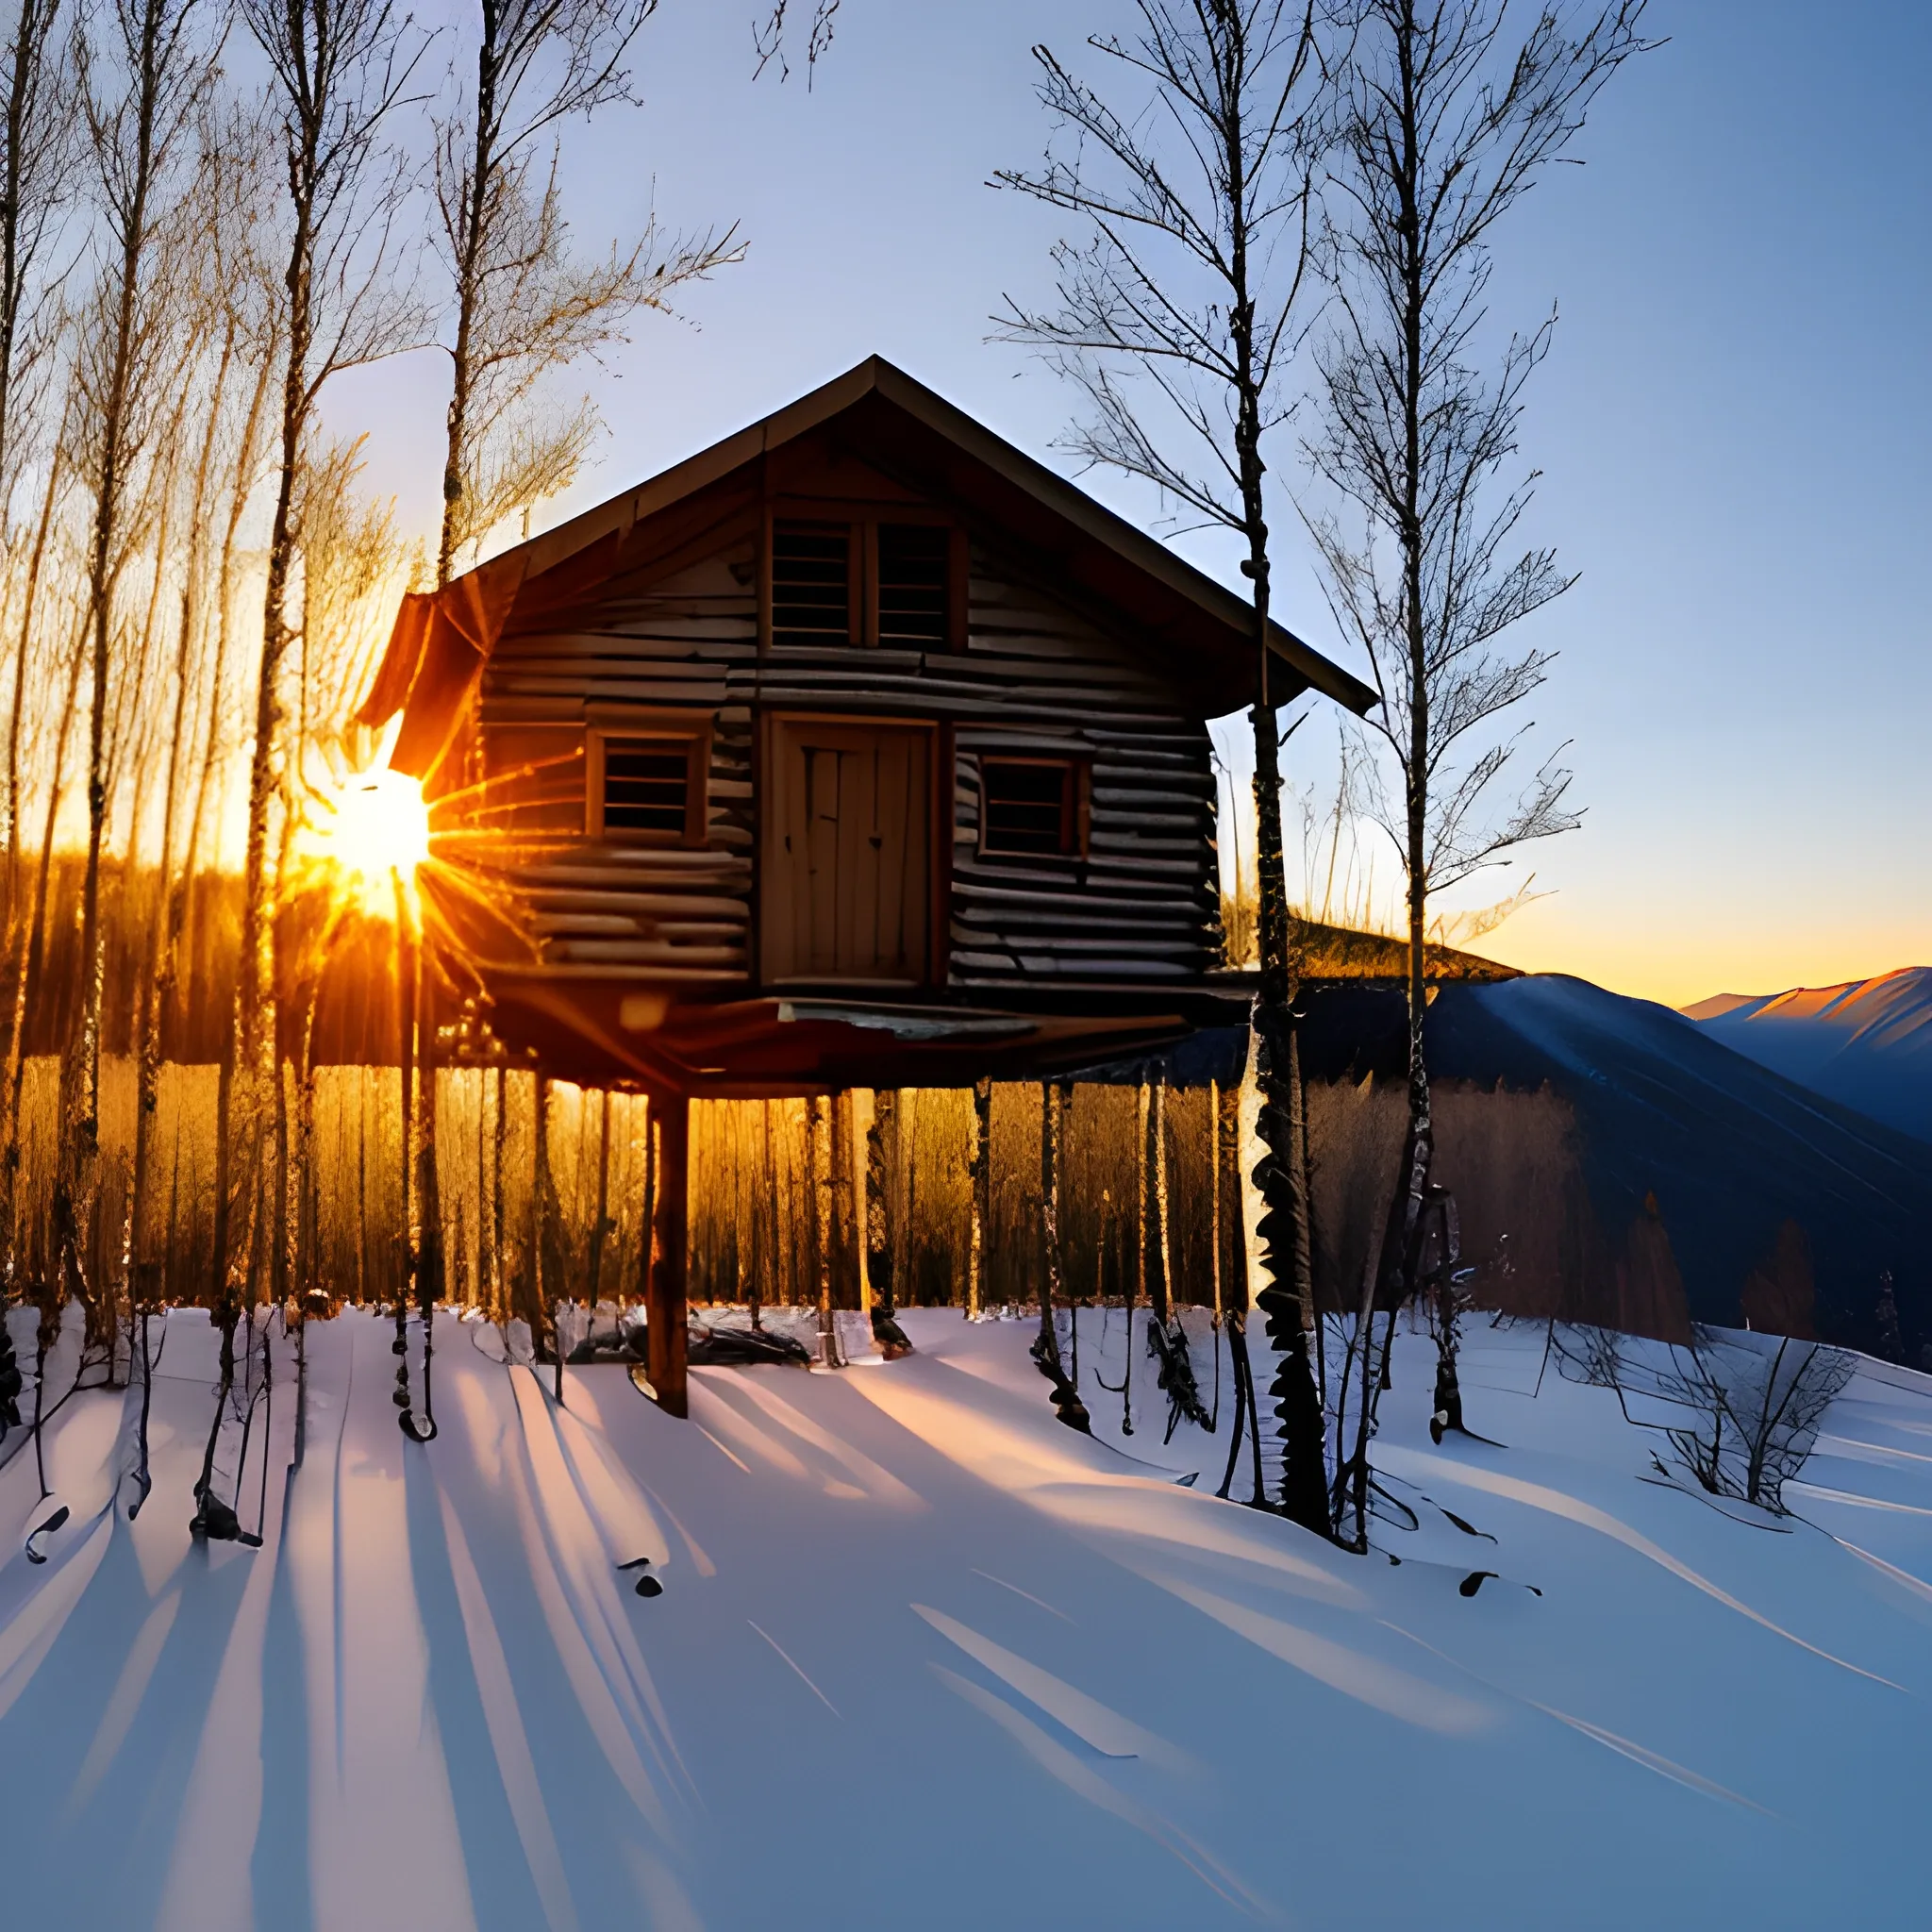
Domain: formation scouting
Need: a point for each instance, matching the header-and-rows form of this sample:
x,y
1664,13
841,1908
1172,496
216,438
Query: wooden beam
x,y
665,1293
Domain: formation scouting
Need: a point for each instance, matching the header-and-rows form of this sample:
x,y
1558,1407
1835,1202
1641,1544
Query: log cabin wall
x,y
1143,902
676,649
680,653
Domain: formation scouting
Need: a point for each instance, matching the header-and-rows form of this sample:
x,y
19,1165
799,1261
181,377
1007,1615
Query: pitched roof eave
x,y
1063,500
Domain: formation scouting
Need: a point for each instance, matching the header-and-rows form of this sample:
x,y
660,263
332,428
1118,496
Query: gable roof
x,y
442,640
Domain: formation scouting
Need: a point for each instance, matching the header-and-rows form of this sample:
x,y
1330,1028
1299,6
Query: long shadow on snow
x,y
109,1862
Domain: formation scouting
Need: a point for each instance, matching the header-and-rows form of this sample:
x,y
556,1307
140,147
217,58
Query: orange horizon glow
x,y
1679,967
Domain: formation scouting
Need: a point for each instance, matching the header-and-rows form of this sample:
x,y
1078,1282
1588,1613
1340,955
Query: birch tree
x,y
522,304
1179,311
340,70
139,91
37,125
1449,113
38,128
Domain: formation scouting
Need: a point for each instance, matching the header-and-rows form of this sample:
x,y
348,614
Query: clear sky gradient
x,y
1733,422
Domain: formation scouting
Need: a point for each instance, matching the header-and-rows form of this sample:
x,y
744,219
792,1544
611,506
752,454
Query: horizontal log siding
x,y
1035,677
688,645
1144,904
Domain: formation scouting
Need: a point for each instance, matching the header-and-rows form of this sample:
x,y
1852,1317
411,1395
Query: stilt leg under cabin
x,y
670,1253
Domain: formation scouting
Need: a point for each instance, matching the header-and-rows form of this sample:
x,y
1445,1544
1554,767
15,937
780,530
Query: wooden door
x,y
848,889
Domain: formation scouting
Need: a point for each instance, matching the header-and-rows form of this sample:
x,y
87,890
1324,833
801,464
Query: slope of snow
x,y
1866,1044
924,1657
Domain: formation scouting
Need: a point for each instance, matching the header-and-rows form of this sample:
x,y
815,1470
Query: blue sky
x,y
1732,422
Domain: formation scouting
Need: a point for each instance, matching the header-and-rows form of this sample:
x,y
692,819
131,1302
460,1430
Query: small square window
x,y
646,785
1031,806
649,788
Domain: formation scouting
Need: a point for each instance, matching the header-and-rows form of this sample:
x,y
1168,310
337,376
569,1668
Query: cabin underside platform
x,y
618,1031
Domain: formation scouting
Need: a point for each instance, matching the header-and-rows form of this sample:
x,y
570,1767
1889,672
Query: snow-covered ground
x,y
924,1657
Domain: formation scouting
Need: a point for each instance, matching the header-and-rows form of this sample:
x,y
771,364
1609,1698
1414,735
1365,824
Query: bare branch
x,y
522,306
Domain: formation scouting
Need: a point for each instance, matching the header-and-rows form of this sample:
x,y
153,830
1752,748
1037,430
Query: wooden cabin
x,y
858,750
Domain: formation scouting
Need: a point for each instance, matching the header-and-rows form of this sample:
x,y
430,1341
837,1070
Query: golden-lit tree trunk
x,y
667,1336
819,1221
980,1169
536,1277
164,962
20,929
600,1227
33,965
131,141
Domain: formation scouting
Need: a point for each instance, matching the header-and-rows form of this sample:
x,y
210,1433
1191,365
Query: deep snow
x,y
924,1657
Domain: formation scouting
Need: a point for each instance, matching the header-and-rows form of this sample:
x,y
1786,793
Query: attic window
x,y
648,788
811,584
1032,807
915,605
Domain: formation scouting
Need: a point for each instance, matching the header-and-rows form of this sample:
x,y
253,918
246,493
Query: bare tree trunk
x,y
153,46
33,141
499,1277
408,1247
600,1227
981,1170
881,1148
27,986
1152,1200
163,963
56,474
819,1172
904,1190
548,1289
1046,1347
18,928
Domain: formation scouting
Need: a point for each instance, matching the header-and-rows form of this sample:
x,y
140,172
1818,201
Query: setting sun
x,y
373,827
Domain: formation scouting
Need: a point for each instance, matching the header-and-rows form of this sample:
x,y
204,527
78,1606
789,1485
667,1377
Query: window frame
x,y
1079,806
694,733
861,521
857,577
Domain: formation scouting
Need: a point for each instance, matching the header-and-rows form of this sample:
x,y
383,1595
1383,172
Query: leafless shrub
x,y
1740,1410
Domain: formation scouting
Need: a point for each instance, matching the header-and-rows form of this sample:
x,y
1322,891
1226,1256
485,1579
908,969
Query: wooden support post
x,y
664,1295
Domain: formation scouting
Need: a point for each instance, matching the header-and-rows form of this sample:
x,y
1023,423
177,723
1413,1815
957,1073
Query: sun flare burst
x,y
372,829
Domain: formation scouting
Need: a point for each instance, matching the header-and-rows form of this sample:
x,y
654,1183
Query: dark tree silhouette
x,y
1178,315
1447,116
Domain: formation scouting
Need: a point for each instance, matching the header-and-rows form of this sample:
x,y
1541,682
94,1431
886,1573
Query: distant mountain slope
x,y
1867,1044
1728,1150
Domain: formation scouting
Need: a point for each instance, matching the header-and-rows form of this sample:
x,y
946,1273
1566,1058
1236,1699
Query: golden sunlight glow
x,y
373,826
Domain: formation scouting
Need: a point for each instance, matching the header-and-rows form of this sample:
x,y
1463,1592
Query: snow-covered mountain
x,y
1867,1044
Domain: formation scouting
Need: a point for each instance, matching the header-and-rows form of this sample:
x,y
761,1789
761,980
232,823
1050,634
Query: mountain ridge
x,y
1866,1043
